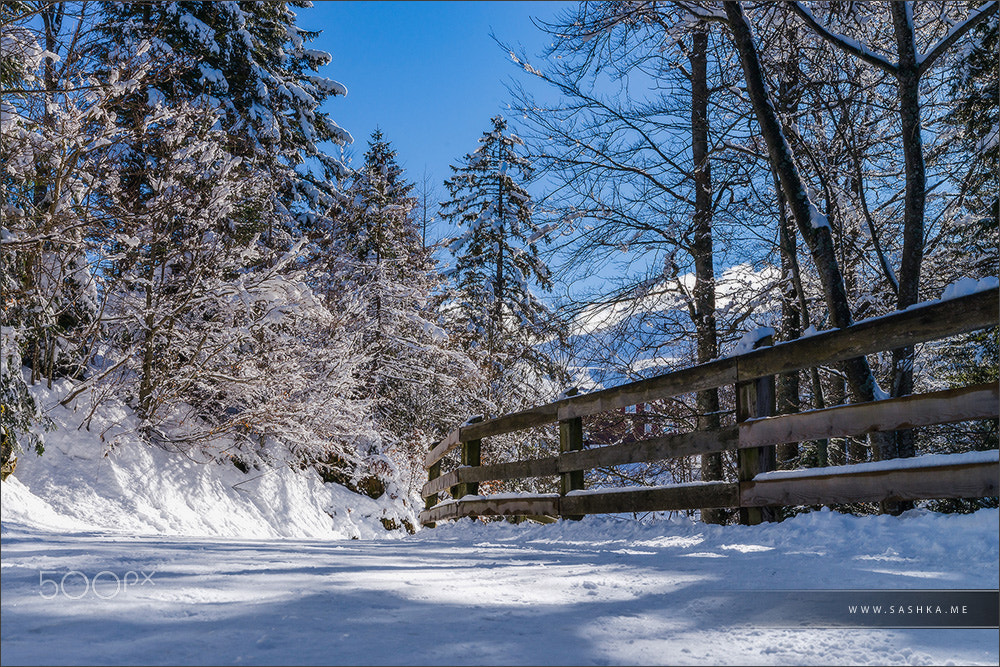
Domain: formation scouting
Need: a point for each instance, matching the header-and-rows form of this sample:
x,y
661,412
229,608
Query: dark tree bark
x,y
908,69
908,89
704,286
498,286
792,308
813,228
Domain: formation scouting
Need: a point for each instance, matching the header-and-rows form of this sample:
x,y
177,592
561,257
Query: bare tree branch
x,y
926,60
841,41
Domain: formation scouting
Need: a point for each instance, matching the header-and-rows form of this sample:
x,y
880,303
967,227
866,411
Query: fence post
x,y
471,456
432,473
471,451
755,398
571,440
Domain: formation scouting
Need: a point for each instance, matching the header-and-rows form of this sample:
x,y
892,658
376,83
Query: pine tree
x,y
376,222
251,61
414,376
496,262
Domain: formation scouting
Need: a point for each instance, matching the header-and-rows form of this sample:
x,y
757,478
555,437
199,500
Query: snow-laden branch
x,y
703,11
844,42
926,60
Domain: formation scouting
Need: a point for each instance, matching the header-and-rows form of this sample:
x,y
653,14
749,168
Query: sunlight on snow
x,y
746,548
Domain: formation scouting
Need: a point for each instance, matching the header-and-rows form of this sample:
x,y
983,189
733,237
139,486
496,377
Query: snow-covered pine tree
x,y
216,216
496,262
215,339
174,153
375,222
415,377
252,62
973,141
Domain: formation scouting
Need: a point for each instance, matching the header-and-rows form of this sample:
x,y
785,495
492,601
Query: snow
x,y
817,219
659,295
631,489
925,461
212,75
967,286
495,496
103,478
577,391
117,552
750,339
598,591
200,32
878,392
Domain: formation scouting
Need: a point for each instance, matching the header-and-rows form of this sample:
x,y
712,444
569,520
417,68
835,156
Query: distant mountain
x,y
651,332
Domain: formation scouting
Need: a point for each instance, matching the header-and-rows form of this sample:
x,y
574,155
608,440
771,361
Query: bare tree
x,y
909,67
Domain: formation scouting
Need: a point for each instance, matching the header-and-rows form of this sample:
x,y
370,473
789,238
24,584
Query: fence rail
x,y
753,438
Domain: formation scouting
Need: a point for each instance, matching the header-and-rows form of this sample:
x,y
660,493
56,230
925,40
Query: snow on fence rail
x,y
754,437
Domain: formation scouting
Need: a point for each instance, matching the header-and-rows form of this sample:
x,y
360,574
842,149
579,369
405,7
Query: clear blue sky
x,y
427,73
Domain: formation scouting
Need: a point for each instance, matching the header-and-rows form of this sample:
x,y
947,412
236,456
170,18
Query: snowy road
x,y
596,592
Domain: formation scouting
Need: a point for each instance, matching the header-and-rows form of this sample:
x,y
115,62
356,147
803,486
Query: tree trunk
x,y
811,225
787,390
792,301
704,268
908,89
498,286
146,382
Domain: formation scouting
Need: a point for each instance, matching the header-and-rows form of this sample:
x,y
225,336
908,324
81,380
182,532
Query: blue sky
x,y
427,73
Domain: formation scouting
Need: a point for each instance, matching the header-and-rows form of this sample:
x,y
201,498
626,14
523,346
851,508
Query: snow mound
x,y
82,483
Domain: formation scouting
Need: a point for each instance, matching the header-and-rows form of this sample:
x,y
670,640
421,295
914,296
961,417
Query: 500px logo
x,y
75,584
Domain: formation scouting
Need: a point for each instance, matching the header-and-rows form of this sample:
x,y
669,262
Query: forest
x,y
182,234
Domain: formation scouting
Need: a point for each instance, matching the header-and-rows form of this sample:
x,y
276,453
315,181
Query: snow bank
x,y
82,482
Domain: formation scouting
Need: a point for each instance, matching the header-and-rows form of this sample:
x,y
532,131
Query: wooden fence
x,y
754,436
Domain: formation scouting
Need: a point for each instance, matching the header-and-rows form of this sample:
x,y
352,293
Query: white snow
x,y
925,461
967,286
200,564
878,392
494,496
748,342
663,295
136,555
103,478
641,365
817,219
631,489
598,591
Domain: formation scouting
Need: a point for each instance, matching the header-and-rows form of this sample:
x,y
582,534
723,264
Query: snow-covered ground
x,y
137,555
601,591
